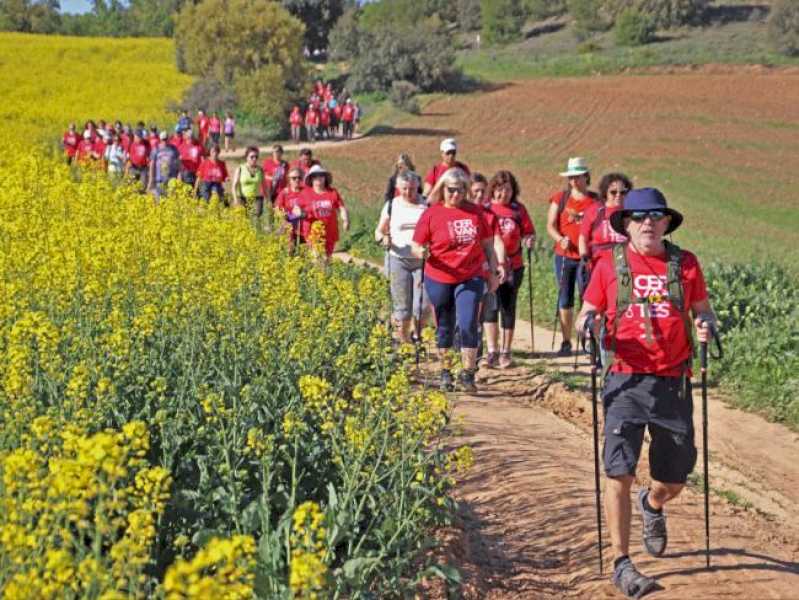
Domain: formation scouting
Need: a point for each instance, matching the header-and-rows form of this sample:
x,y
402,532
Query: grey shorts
x,y
406,287
634,402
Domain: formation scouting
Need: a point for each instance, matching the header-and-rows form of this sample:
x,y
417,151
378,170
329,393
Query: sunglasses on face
x,y
622,192
294,178
641,215
454,190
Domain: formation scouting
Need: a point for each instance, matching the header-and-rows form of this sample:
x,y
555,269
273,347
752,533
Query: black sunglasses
x,y
454,190
640,215
618,192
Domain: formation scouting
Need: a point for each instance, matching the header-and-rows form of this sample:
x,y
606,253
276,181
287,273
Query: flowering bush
x,y
190,411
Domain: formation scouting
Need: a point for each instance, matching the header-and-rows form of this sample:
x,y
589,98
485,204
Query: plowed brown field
x,y
722,147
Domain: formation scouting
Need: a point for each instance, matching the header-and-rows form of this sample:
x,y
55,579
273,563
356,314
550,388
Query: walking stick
x,y
589,322
530,294
419,316
703,353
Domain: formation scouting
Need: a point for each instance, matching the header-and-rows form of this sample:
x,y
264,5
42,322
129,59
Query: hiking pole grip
x,y
705,453
530,294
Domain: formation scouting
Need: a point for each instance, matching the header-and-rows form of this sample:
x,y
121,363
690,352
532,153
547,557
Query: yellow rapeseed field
x,y
48,81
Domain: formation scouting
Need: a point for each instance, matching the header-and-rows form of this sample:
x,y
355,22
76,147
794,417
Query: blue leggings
x,y
456,303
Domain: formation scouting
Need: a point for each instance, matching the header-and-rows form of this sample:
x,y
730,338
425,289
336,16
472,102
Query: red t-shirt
x,y
99,147
321,207
70,143
596,229
202,126
138,153
569,222
154,139
434,174
670,348
347,113
212,171
298,164
191,153
295,118
312,117
214,125
125,141
84,150
513,223
324,117
275,174
287,199
337,111
455,236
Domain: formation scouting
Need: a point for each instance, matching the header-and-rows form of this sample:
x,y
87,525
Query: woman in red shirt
x,y
566,210
321,202
596,234
289,201
517,230
454,239
211,176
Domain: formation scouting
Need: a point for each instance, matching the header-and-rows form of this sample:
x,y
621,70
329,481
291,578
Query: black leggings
x,y
507,293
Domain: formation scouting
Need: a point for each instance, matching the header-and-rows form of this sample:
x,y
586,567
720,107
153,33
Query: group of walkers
x,y
455,241
328,115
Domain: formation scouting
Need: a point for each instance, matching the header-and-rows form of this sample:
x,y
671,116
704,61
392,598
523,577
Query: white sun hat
x,y
448,145
576,166
318,170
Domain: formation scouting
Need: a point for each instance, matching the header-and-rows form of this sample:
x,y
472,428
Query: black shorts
x,y
633,402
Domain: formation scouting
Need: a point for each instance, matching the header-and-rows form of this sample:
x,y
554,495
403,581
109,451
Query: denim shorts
x,y
634,402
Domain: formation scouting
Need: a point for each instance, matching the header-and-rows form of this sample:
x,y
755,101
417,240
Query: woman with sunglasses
x,y
395,230
455,239
248,183
596,234
517,231
566,211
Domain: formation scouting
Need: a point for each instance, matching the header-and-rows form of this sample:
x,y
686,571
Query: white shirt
x,y
403,221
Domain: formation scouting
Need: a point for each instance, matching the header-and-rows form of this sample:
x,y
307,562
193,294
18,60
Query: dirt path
x,y
238,154
526,525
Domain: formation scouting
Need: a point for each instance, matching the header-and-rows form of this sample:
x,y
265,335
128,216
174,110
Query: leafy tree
x,y
587,17
343,40
502,20
319,17
543,9
663,13
633,28
31,16
783,27
153,17
469,15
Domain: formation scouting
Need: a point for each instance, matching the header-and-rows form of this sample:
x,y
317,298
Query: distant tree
x,y
319,17
588,18
633,28
31,16
153,17
783,27
343,39
543,9
663,13
261,57
469,15
502,20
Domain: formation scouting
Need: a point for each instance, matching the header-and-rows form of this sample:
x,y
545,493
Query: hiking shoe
x,y
565,349
446,384
466,381
505,360
655,536
630,582
491,360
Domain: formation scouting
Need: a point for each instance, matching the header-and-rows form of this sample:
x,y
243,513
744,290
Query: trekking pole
x,y
530,294
419,316
703,353
588,329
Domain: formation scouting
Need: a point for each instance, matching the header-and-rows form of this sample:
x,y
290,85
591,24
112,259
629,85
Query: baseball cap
x,y
449,145
163,135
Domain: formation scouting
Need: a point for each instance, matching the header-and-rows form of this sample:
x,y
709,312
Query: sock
x,y
648,507
620,560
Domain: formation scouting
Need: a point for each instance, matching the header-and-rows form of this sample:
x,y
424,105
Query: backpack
x,y
564,199
625,297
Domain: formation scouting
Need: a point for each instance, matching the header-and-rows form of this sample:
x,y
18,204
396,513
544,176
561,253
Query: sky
x,y
75,6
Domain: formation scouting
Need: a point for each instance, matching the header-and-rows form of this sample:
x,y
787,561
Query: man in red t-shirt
x,y
275,169
304,162
648,383
191,153
70,142
295,121
566,211
211,176
311,123
203,125
449,152
348,118
138,157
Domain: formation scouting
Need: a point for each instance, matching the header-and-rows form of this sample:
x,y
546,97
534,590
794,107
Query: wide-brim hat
x,y
318,170
644,199
576,166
